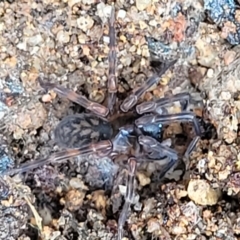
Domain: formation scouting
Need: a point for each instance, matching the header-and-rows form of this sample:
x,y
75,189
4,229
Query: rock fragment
x,y
202,193
142,4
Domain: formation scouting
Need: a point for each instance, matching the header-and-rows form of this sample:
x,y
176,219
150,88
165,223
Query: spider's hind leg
x,y
94,107
132,164
102,147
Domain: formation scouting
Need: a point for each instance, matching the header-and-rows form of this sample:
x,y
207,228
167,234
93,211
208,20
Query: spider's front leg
x,y
168,118
158,105
132,100
165,119
159,152
94,107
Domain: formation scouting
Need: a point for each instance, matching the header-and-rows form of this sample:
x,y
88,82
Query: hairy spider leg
x,y
161,153
119,144
132,99
152,146
178,117
132,163
112,60
172,162
166,118
157,106
103,148
94,107
191,146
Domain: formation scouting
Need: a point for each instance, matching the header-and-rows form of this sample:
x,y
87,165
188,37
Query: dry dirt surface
x,y
66,43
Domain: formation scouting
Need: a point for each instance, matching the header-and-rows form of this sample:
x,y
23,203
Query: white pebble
x,y
210,73
63,36
106,39
226,96
121,14
22,46
142,4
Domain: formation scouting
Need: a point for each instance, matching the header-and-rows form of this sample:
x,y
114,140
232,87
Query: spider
x,y
139,141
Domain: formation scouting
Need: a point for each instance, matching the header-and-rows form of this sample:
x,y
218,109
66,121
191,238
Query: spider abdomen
x,y
77,130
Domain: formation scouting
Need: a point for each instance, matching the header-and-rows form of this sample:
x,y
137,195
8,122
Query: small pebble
x,y
46,98
121,14
229,57
46,215
5,160
142,4
85,23
63,36
153,225
100,200
143,179
77,183
153,23
106,39
207,55
201,193
3,109
74,199
35,40
210,73
226,96
22,46
73,2
177,230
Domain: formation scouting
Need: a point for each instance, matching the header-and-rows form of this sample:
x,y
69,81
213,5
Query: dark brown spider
x,y
139,141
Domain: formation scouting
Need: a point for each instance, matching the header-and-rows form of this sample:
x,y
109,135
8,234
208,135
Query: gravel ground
x,y
66,42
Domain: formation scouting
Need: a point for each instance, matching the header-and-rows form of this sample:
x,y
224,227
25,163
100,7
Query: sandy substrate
x,y
66,43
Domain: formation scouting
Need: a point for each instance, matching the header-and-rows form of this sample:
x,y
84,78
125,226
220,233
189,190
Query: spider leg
x,y
129,196
149,144
191,146
152,146
132,100
172,162
103,147
157,106
164,119
161,152
112,59
121,142
94,107
158,152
